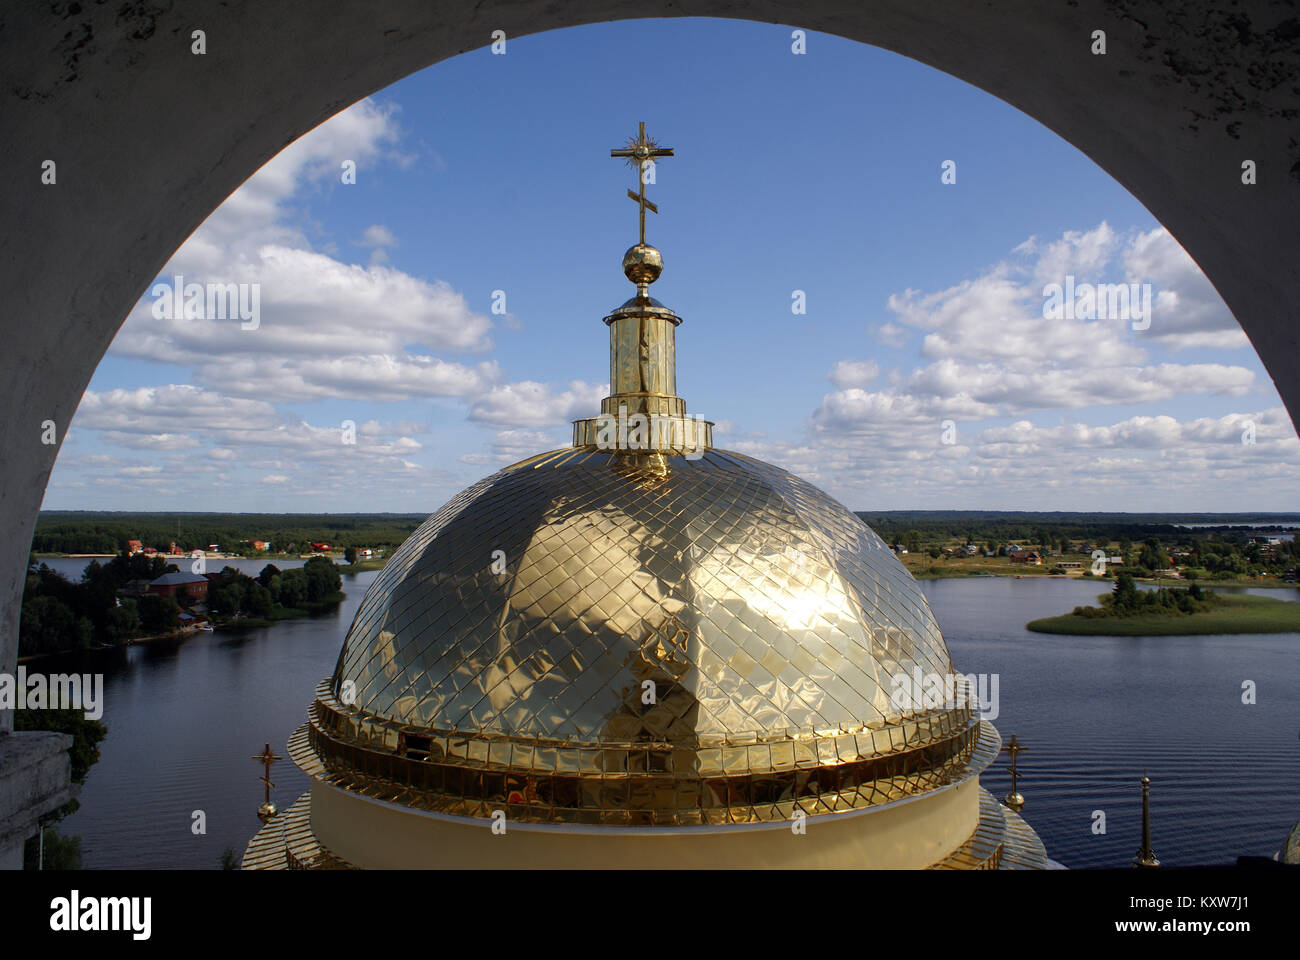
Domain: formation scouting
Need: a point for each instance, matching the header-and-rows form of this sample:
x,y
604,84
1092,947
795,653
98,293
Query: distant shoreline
x,y
313,608
1235,614
1042,573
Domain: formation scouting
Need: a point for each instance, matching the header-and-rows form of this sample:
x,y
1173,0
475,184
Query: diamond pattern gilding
x,y
657,618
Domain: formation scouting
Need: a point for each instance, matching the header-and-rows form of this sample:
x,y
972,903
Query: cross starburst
x,y
639,151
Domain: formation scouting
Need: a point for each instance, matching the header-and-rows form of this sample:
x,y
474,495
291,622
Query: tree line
x,y
105,532
234,594
59,615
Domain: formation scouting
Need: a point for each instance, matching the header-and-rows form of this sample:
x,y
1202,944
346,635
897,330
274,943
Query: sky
x,y
448,303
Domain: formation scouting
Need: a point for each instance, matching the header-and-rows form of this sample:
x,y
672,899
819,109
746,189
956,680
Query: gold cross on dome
x,y
266,758
639,151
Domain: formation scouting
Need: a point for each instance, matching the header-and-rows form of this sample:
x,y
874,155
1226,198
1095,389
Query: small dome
x,y
642,264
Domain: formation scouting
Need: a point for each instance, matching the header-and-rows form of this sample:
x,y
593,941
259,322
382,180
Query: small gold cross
x,y
267,758
641,150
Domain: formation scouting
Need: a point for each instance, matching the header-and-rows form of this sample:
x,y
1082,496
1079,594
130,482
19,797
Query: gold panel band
x,y
635,784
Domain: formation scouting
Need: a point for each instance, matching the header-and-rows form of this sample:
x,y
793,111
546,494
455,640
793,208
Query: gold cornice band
x,y
641,784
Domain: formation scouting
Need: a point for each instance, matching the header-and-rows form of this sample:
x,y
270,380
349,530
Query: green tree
x,y
48,625
1125,594
1152,556
122,621
158,614
350,555
293,588
323,579
257,602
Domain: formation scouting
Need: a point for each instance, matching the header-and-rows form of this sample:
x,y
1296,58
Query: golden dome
x,y
596,636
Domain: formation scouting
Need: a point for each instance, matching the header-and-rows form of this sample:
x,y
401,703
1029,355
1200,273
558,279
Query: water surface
x,y
1095,712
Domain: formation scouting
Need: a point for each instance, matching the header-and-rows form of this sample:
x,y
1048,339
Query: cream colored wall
x,y
910,835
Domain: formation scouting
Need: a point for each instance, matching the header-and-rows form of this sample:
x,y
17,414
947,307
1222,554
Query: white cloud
x,y
1188,311
160,410
151,441
326,328
531,404
891,334
854,373
378,377
511,446
378,235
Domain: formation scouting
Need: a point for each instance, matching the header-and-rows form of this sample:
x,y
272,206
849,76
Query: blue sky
x,y
818,172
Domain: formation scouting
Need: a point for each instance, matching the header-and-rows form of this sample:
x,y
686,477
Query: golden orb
x,y
642,264
266,811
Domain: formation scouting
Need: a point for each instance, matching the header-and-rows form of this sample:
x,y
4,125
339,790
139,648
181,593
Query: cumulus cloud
x,y
325,327
160,410
891,334
993,354
1188,311
1237,460
378,235
530,404
998,316
987,353
854,373
379,377
327,330
511,446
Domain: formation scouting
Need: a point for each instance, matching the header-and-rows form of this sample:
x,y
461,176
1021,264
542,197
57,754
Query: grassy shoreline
x,y
363,565
922,567
1232,614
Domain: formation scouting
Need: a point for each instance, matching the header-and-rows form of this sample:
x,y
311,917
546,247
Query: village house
x,y
191,586
134,546
1029,557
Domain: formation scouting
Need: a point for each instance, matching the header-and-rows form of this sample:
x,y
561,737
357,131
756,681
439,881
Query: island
x,y
1172,611
134,598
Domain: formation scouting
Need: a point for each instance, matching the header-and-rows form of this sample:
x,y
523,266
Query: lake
x,y
1095,713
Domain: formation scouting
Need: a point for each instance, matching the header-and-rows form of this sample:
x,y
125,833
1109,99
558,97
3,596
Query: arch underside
x,y
150,139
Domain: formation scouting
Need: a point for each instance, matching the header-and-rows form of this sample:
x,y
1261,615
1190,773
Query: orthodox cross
x,y
266,757
1014,748
639,151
